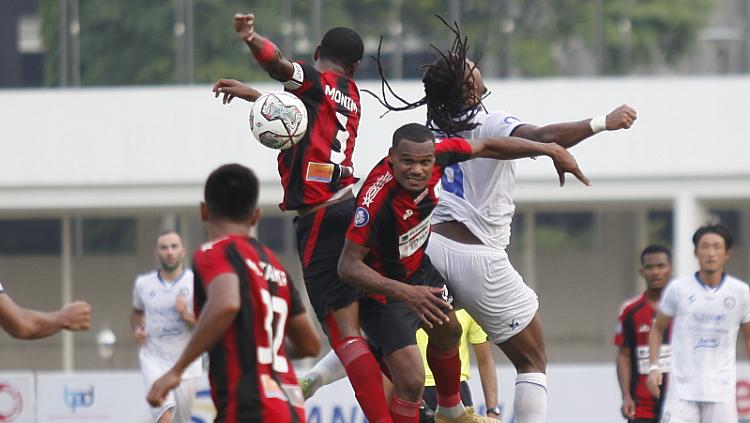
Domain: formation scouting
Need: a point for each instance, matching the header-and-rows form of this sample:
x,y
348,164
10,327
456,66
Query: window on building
x,y
31,237
660,227
567,230
105,236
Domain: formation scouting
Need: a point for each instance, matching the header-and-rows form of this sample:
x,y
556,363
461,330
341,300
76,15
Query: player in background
x,y
25,323
471,224
384,256
631,337
472,334
161,320
246,306
317,177
706,309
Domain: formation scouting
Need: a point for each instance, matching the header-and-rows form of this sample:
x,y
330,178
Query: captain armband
x,y
298,77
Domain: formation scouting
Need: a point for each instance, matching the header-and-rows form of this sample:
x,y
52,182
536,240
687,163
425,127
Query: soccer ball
x,y
278,120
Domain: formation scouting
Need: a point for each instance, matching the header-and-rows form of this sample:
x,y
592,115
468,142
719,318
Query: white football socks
x,y
328,370
530,401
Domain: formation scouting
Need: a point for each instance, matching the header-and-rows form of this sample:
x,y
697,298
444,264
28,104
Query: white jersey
x,y
479,192
166,333
704,337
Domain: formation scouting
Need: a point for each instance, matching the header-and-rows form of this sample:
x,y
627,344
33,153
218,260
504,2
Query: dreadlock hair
x,y
448,87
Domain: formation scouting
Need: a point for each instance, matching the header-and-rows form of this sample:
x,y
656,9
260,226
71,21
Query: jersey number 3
x,y
270,354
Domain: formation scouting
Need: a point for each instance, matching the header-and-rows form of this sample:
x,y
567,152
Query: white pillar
x,y
529,248
641,240
67,291
689,214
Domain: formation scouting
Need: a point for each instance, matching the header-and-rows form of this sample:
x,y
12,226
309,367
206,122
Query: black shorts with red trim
x,y
391,325
320,240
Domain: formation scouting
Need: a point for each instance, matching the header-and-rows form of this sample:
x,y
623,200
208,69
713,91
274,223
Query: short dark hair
x,y
343,46
231,192
714,228
414,132
655,249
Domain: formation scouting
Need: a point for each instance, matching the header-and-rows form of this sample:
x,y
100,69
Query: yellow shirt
x,y
472,334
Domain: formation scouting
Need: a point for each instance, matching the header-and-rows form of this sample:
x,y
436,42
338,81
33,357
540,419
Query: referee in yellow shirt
x,y
474,335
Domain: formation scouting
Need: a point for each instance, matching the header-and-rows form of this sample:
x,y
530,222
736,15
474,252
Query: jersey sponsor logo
x,y
267,272
644,363
421,196
319,172
407,214
375,188
361,217
709,317
341,99
707,343
271,388
410,242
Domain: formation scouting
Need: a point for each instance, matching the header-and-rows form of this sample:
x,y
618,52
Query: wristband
x,y
653,367
598,124
266,53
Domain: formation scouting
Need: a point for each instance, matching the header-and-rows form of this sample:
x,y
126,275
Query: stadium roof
x,y
154,146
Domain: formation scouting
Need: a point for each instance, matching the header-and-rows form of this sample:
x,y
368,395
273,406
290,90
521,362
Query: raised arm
x,y
624,369
568,134
267,55
22,323
221,308
509,148
661,323
231,88
423,300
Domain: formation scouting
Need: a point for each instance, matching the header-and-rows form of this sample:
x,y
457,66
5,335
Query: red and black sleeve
x,y
450,151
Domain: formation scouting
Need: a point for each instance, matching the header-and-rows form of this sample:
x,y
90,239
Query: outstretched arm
x,y
267,55
509,148
232,88
422,299
22,323
302,339
568,134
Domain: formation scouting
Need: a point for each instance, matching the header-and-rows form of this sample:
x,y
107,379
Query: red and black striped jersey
x,y
310,170
394,223
251,378
633,329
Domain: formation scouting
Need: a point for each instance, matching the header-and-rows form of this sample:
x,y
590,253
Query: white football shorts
x,y
681,411
180,400
485,284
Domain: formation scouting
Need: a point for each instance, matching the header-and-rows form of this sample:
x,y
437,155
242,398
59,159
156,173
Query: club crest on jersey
x,y
375,189
274,109
730,303
361,217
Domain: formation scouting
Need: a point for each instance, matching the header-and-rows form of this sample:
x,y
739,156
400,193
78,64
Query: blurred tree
x,y
133,42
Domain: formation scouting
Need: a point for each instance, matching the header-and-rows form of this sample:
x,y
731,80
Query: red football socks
x,y
403,411
446,367
364,375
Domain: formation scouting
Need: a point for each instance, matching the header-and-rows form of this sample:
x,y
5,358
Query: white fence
x,y
577,393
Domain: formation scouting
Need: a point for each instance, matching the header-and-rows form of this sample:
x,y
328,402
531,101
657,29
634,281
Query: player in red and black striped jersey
x,y
633,329
246,306
384,256
317,177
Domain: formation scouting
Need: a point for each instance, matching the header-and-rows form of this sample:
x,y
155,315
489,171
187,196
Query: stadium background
x,y
109,130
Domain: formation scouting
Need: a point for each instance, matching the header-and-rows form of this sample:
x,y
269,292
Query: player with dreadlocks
x,y
471,224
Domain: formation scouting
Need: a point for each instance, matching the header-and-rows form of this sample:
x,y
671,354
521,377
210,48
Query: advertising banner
x,y
17,398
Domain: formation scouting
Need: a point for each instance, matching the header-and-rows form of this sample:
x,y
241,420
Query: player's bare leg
x,y
407,373
343,330
526,351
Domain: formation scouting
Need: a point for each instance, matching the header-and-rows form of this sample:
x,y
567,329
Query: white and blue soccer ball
x,y
278,120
